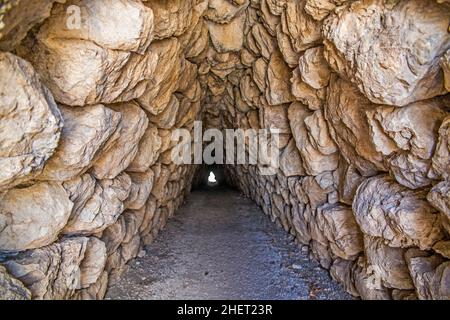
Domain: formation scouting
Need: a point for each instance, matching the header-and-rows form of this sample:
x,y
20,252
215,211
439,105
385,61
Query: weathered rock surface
x,y
121,150
345,114
33,217
311,135
101,208
430,275
55,271
85,133
18,17
401,216
440,166
91,63
407,139
388,263
390,51
30,123
11,288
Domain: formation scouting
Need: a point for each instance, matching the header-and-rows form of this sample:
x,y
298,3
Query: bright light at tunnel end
x,y
212,178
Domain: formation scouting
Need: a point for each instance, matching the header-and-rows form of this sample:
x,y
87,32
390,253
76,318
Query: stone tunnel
x,y
91,92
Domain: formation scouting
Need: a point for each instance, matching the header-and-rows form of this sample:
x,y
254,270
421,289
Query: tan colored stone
x,y
346,118
439,197
260,42
291,162
445,64
407,139
141,187
316,148
120,152
126,25
223,12
33,217
430,274
51,272
387,263
30,123
85,133
20,18
302,29
94,64
148,151
440,167
278,89
171,17
339,227
102,208
164,80
304,93
401,216
11,288
314,69
391,52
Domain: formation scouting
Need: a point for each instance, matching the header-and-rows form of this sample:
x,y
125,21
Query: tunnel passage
x,y
90,98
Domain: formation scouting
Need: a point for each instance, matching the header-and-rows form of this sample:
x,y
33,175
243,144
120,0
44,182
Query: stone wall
x,y
357,88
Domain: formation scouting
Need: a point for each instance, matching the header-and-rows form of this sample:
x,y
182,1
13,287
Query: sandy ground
x,y
220,245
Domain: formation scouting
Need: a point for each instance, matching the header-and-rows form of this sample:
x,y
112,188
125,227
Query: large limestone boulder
x,y
126,25
34,216
290,161
320,9
303,31
123,147
141,187
11,288
104,60
303,92
440,167
339,227
345,114
399,215
30,122
407,139
164,81
171,17
260,42
387,263
318,151
430,274
439,197
224,11
18,17
229,36
278,89
313,68
101,208
57,271
445,64
93,263
85,133
390,50
148,151
167,118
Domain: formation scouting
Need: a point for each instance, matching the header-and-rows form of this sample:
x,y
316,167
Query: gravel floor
x,y
220,245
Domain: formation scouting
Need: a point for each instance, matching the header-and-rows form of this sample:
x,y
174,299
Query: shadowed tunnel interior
x,y
353,203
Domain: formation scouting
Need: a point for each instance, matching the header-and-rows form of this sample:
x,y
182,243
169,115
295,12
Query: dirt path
x,y
220,245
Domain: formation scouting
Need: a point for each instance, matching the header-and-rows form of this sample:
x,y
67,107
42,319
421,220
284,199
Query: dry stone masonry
x,y
91,90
